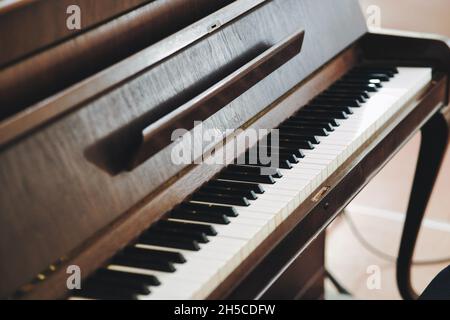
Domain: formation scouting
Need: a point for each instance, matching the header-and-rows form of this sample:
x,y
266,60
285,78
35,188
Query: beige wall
x,y
415,15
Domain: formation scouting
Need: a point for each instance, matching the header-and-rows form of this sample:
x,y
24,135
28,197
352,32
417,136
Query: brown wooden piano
x,y
87,169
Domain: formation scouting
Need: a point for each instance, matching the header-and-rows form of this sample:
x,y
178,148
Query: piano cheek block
x,y
157,136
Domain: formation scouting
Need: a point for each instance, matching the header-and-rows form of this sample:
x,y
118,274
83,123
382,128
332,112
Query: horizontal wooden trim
x,y
71,98
97,250
157,135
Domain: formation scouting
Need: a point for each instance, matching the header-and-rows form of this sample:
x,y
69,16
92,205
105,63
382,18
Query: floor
x,y
377,215
378,211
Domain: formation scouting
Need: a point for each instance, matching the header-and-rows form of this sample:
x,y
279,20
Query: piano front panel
x,y
41,25
65,181
89,50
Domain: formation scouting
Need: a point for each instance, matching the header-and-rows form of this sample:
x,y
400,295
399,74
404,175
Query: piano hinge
x,y
39,278
322,192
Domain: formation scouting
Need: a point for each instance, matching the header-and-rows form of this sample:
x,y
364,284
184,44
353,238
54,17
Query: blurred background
x,y
377,213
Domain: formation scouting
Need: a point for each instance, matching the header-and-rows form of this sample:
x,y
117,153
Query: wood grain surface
x,y
29,26
56,198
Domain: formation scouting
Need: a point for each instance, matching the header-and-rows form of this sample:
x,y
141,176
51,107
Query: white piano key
x,y
206,268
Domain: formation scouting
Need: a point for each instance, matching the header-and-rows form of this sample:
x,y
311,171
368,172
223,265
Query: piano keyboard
x,y
187,255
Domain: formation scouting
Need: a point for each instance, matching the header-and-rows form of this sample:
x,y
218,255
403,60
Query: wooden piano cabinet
x,y
81,214
417,49
84,53
61,207
28,27
304,278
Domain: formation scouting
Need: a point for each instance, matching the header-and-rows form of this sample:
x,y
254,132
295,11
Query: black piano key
x,y
292,158
255,187
286,155
250,195
316,106
105,292
292,134
303,144
369,87
299,138
171,241
293,129
175,234
136,261
126,278
288,151
239,176
206,229
357,96
198,236
390,70
219,198
254,159
325,114
208,208
372,82
341,102
142,258
170,256
251,169
304,123
354,80
363,93
317,119
384,77
137,288
208,217
282,164
376,82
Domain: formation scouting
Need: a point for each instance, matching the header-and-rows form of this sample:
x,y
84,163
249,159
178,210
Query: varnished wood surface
x,y
435,136
305,277
29,26
25,84
158,135
409,49
72,198
151,208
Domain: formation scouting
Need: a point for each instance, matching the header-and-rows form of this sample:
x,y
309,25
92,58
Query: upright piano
x,y
132,147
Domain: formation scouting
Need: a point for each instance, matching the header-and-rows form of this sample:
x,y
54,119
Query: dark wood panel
x,y
97,250
49,171
27,26
158,135
69,99
435,137
304,279
31,80
409,49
